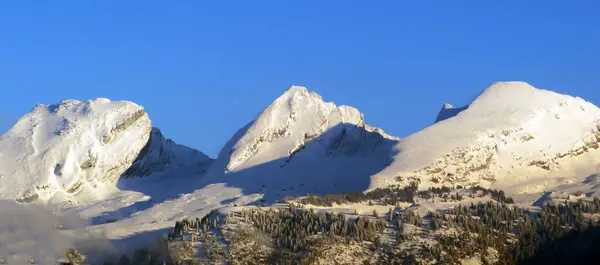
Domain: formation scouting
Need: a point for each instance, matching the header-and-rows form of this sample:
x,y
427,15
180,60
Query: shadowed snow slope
x,y
302,141
512,132
448,111
160,154
77,150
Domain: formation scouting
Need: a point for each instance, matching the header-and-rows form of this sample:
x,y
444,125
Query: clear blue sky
x,y
202,69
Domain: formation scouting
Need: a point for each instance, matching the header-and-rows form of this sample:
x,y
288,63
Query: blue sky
x,y
202,69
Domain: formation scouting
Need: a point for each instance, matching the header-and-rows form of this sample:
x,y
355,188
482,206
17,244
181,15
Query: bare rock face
x,y
79,148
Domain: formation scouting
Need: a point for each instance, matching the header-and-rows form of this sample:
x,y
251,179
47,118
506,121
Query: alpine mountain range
x,y
104,161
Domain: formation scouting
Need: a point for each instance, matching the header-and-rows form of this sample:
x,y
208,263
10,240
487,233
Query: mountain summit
x,y
301,140
513,136
79,149
293,120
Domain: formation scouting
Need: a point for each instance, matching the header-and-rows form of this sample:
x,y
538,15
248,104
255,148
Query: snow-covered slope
x,y
79,150
302,141
513,133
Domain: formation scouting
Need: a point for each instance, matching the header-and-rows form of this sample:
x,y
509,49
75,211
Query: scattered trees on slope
x,y
496,232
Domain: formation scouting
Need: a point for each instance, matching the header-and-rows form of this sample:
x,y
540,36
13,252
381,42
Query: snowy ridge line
x,y
74,149
266,136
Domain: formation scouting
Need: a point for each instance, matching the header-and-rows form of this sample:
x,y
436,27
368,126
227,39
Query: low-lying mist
x,y
33,234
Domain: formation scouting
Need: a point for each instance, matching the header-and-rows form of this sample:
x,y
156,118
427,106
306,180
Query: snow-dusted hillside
x,y
301,144
79,150
513,136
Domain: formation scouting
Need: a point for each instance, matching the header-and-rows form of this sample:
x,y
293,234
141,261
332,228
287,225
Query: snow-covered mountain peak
x,y
78,150
512,131
498,97
520,96
301,140
284,127
295,89
516,87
